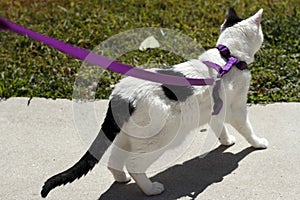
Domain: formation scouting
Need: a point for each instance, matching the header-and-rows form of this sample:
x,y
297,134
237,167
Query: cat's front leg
x,y
218,127
242,124
225,138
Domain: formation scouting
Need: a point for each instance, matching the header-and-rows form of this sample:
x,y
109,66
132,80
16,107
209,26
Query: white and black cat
x,y
145,118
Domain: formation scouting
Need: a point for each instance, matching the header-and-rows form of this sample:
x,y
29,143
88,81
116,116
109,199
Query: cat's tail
x,y
81,168
109,130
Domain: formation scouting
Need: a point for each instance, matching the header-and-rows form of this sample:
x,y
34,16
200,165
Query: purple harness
x,y
230,62
92,58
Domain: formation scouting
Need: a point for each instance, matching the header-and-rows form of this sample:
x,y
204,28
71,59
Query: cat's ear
x,y
231,15
231,19
257,17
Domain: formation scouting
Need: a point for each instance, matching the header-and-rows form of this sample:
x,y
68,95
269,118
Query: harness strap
x,y
230,62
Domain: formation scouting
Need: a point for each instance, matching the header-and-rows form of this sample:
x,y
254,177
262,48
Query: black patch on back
x,y
176,93
118,112
231,19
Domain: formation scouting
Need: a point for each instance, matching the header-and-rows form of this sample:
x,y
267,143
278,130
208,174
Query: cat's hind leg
x,y
117,159
119,175
147,186
137,165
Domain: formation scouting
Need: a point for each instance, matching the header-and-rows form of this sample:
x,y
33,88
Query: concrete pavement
x,y
42,139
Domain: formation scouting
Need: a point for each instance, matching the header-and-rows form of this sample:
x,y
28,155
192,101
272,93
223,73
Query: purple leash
x,y
121,68
92,58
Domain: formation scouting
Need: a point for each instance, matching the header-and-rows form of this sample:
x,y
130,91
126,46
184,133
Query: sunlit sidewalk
x,y
43,138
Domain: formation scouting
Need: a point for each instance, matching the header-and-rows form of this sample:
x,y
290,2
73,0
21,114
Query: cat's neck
x,y
239,50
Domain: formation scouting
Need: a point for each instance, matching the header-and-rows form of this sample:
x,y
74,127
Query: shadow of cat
x,y
189,179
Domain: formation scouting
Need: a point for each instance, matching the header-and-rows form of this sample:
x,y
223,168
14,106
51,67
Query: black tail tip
x,y
44,192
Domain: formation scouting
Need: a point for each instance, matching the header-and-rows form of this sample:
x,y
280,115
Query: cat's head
x,y
243,37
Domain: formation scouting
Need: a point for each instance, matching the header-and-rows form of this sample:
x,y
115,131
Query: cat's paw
x,y
156,188
228,141
120,176
260,143
122,179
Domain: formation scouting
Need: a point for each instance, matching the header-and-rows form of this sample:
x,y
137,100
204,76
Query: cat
x,y
145,118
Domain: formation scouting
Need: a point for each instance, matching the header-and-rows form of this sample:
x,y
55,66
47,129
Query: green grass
x,y
31,69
